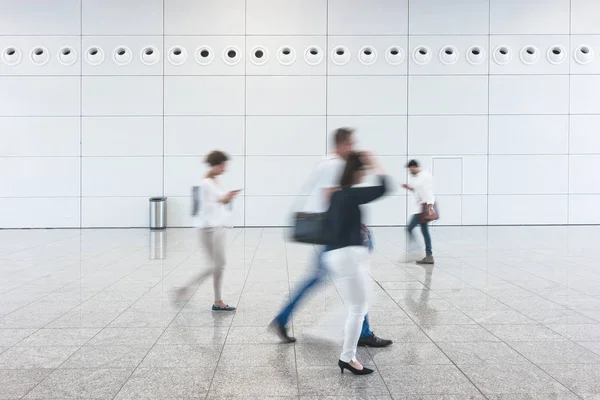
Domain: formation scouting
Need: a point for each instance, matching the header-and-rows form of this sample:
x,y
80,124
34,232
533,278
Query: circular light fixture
x,y
422,55
286,55
122,56
205,55
475,55
313,55
448,55
177,55
340,55
12,56
367,55
259,55
394,55
556,54
529,55
94,55
149,55
231,55
67,56
502,55
40,56
583,54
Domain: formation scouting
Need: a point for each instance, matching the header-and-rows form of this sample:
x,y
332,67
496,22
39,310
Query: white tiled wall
x,y
105,103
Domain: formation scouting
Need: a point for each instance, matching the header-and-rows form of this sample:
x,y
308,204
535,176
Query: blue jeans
x,y
424,229
320,273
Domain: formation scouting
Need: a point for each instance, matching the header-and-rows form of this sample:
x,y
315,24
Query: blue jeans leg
x,y
366,329
284,316
427,237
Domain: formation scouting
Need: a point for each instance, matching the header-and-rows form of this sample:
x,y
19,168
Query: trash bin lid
x,y
158,198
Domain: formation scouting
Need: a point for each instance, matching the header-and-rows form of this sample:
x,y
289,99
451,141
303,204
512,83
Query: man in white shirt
x,y
328,178
421,184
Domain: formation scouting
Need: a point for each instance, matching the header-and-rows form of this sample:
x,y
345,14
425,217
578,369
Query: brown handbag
x,y
428,216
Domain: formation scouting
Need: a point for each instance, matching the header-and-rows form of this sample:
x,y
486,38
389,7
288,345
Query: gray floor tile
x,y
524,333
583,379
547,317
460,333
481,353
315,381
21,357
364,397
504,317
164,383
578,332
10,337
556,352
17,383
80,384
427,379
105,357
201,318
258,381
439,397
138,319
250,335
194,335
324,354
446,317
409,354
126,337
181,356
60,337
402,333
511,378
592,346
258,355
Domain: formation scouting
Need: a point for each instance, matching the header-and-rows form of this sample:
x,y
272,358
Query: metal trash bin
x,y
158,213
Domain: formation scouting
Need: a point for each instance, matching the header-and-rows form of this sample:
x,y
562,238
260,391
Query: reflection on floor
x,y
506,313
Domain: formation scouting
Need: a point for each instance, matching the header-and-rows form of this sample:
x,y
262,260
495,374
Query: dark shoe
x,y
373,341
345,365
282,332
219,308
427,260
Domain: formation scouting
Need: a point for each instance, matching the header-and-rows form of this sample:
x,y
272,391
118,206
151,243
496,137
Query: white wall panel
x,y
50,45
122,136
539,94
366,95
121,176
359,17
450,209
529,134
215,61
179,212
33,212
382,135
584,210
203,95
112,17
583,174
292,17
447,175
278,95
591,62
387,211
362,66
269,210
438,65
205,17
121,95
528,175
36,96
181,173
475,174
584,17
197,136
278,176
453,95
32,17
584,134
439,17
540,44
114,212
294,136
273,61
39,136
528,210
585,94
529,17
133,47
474,210
39,177
448,135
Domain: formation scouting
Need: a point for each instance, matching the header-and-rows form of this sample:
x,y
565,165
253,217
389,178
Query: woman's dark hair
x,y
354,163
216,157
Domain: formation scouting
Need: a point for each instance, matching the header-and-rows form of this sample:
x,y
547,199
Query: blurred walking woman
x,y
213,222
348,257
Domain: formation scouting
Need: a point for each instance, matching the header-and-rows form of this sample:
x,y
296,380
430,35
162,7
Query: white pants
x,y
350,272
213,241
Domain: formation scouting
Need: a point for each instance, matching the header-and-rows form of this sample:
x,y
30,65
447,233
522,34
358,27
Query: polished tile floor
x,y
506,313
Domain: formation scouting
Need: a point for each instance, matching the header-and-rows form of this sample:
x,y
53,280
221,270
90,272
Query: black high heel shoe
x,y
345,365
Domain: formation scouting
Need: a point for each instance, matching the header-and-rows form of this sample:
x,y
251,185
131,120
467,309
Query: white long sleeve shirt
x,y
213,213
422,185
328,175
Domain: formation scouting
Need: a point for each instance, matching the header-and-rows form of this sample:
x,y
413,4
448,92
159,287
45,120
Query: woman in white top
x,y
213,215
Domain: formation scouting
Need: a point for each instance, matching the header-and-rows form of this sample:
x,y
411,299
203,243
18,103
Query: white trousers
x,y
213,241
350,272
